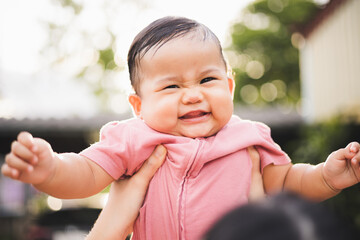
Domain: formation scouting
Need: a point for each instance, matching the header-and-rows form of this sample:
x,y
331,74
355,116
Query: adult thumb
x,y
152,164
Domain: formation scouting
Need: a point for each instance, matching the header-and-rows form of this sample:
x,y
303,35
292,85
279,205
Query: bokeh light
x,y
268,92
249,93
255,69
54,204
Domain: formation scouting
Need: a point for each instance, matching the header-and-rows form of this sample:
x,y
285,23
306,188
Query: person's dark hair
x,y
160,32
282,217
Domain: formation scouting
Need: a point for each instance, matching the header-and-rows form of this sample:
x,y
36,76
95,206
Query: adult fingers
x,y
151,165
255,159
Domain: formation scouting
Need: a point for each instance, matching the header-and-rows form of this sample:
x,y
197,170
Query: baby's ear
x,y
231,83
135,102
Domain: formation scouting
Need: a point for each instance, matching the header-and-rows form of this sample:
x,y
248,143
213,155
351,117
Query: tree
x,y
264,51
83,43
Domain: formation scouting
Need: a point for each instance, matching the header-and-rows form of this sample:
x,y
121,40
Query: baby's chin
x,y
186,134
194,134
189,133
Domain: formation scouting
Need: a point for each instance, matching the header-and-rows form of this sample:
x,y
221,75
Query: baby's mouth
x,y
194,115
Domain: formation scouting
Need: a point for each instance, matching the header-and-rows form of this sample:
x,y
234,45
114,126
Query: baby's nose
x,y
192,95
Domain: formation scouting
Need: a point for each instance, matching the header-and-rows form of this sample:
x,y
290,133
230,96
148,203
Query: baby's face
x,y
184,88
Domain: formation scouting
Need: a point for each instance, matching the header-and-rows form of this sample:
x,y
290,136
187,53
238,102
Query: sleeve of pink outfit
x,y
269,151
118,152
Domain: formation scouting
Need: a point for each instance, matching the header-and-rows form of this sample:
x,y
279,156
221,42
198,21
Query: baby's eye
x,y
205,80
171,86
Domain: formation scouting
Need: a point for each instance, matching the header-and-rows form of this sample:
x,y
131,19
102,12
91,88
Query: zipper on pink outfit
x,y
181,212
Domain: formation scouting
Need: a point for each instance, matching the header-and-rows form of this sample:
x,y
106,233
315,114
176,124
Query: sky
x,y
29,90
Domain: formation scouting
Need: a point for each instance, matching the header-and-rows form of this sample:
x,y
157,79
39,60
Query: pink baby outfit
x,y
200,180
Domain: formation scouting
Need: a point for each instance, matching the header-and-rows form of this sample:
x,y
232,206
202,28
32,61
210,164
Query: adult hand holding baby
x,y
126,197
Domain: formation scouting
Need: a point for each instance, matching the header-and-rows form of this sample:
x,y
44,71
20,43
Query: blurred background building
x,y
330,60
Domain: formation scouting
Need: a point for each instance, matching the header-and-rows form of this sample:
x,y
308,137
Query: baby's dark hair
x,y
157,34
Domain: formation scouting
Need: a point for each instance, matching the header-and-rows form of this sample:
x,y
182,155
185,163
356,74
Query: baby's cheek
x,y
163,119
223,108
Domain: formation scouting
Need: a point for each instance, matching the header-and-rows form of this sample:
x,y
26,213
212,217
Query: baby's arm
x,y
67,175
318,182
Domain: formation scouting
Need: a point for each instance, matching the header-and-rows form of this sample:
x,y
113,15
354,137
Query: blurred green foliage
x,y
86,55
264,51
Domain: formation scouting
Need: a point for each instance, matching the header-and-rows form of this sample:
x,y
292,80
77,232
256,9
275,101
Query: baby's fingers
x,y
16,163
9,172
23,152
353,147
355,164
26,139
348,152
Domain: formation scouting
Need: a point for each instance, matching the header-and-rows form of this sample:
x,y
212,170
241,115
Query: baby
x,y
183,100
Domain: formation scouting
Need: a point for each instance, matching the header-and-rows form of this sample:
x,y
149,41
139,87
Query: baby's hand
x,y
342,167
31,160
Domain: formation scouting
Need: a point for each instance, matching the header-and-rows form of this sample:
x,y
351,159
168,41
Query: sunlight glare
x,y
6,109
